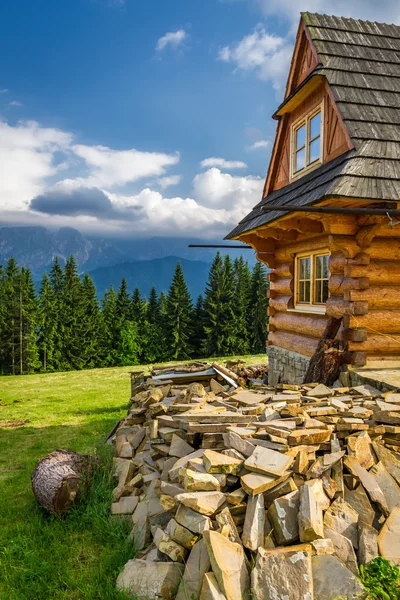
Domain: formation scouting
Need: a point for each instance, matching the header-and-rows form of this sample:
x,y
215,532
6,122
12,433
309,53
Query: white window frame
x,y
305,120
312,306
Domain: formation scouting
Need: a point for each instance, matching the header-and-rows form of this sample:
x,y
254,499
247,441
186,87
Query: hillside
x,y
158,272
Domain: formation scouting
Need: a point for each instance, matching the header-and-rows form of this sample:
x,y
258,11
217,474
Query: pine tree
x,y
152,333
219,315
198,327
47,323
179,317
258,309
242,284
91,324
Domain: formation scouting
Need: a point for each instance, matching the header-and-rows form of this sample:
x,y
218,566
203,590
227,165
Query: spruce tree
x,y
9,334
179,317
139,307
242,284
153,306
28,352
219,314
198,327
124,304
258,309
57,288
72,317
47,325
91,325
110,330
128,347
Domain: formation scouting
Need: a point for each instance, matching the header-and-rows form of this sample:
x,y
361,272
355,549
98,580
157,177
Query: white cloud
x,y
35,190
222,163
268,55
27,159
260,144
217,189
172,38
15,103
4,91
110,167
168,181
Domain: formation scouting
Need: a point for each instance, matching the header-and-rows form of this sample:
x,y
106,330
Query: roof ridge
x,y
315,14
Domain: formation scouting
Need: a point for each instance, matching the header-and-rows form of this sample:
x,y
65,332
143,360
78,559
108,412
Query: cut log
x,y
305,324
337,307
283,286
285,269
325,364
293,342
58,478
378,272
384,321
281,303
383,297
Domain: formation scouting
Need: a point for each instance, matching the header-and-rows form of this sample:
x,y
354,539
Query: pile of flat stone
x,y
263,493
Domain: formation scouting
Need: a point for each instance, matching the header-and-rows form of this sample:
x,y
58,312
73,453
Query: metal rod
x,y
334,210
242,247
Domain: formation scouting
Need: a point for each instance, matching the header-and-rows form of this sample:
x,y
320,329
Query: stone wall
x,y
285,366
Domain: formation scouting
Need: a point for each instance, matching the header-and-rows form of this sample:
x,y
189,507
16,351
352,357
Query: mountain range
x,y
143,261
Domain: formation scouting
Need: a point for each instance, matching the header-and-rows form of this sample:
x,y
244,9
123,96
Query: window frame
x,y
306,120
312,306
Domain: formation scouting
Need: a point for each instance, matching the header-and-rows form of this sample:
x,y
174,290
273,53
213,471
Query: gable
x,y
304,61
335,137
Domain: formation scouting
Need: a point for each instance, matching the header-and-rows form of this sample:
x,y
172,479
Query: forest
x,y
63,325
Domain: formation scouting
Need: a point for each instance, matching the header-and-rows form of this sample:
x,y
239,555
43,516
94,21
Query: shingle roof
x,y
361,62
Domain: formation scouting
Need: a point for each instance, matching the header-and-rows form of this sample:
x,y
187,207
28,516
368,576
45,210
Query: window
x,y
312,280
307,142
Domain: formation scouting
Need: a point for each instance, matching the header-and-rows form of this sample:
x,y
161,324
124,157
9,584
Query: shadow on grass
x,y
100,411
44,557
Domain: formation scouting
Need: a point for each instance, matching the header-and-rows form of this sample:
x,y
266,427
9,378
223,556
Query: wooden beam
x,y
376,321
293,342
302,323
386,297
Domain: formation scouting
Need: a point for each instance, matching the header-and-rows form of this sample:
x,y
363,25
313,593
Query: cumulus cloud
x,y
222,163
15,103
217,189
260,144
35,190
265,54
173,39
28,157
168,181
110,167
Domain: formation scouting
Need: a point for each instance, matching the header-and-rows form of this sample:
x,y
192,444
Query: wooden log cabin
x,y
337,146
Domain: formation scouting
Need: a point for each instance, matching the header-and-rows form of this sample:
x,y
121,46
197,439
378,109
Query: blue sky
x,y
108,108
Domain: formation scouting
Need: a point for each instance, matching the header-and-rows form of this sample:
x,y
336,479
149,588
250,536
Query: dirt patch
x,y
13,423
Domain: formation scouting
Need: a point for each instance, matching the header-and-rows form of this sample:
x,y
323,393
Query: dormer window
x,y
307,143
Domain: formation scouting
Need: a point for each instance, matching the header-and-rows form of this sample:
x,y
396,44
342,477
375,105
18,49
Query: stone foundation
x,y
285,366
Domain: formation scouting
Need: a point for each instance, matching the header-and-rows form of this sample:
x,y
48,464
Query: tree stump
x,y
326,362
57,479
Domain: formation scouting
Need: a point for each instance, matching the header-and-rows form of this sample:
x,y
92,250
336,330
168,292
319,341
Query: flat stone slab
x,y
341,517
253,528
268,462
283,573
283,516
210,589
148,579
215,462
389,538
197,565
332,581
206,503
228,565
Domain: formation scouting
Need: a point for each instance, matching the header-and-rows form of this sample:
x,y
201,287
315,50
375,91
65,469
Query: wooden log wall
x,y
377,331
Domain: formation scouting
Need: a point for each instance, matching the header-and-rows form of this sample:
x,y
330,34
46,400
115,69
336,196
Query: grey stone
x,y
311,525
343,549
283,573
341,517
283,516
150,579
332,581
253,528
196,567
367,544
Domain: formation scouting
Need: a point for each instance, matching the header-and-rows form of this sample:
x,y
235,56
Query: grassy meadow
x,y
78,557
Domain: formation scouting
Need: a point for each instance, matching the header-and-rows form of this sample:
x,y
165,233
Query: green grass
x,y
78,557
